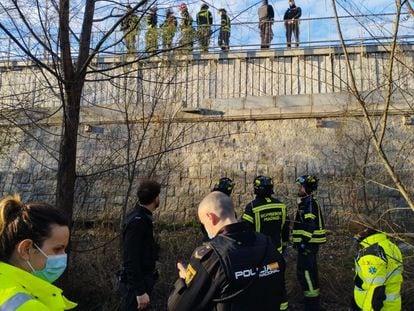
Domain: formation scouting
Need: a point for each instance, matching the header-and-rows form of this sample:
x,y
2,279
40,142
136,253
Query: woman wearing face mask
x,y
33,239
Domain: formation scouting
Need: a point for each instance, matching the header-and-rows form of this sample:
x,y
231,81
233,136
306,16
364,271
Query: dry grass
x,y
92,282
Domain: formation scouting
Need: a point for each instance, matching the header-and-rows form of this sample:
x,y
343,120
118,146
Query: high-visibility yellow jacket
x,y
22,291
378,277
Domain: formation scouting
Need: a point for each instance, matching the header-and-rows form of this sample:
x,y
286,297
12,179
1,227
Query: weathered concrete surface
x,y
279,114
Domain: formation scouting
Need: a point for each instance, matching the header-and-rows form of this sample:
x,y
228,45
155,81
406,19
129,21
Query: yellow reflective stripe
x,y
297,240
308,280
313,293
268,206
322,231
248,218
257,220
284,305
317,240
311,216
302,232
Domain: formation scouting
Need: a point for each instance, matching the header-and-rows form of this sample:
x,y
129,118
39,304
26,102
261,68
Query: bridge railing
x,y
314,32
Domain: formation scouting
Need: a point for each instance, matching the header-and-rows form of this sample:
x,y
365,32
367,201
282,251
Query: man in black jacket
x,y
266,17
238,269
291,18
140,251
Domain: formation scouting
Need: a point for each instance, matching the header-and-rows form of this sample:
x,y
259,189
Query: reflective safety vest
x,y
152,21
378,275
225,23
309,225
204,18
22,291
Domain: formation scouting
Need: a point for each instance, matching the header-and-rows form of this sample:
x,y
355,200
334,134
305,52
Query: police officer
x,y
204,22
130,27
224,35
238,269
291,18
268,215
226,186
378,268
140,251
187,31
151,37
308,234
169,28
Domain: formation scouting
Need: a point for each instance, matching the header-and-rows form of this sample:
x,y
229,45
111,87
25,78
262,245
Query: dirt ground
x,y
95,259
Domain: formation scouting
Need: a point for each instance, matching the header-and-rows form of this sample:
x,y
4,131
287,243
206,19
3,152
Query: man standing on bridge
x,y
291,18
266,17
238,269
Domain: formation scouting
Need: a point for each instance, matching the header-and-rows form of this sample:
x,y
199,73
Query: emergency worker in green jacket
x,y
308,234
225,27
186,42
130,27
378,268
151,37
168,28
204,23
33,239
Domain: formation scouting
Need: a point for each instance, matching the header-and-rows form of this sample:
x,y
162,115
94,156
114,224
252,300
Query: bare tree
x,y
377,132
53,27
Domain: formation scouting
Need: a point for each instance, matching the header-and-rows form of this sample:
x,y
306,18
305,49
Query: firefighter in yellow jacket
x,y
378,268
33,239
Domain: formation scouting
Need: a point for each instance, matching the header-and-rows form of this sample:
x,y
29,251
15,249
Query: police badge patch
x,y
189,274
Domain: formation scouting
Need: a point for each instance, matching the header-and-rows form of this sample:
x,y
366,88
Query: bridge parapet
x,y
197,80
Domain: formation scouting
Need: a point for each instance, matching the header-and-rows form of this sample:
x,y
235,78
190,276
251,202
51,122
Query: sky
x,y
317,25
312,28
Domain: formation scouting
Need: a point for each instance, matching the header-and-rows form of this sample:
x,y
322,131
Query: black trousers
x,y
223,40
128,299
292,28
266,33
307,274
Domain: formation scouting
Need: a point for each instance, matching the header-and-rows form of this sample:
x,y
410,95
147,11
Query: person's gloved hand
x,y
284,252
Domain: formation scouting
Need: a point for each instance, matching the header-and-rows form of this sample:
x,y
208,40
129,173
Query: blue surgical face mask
x,y
55,266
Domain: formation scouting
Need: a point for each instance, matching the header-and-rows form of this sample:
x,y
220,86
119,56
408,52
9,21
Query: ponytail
x,y
20,221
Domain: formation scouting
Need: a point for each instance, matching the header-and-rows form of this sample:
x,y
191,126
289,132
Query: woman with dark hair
x,y
33,240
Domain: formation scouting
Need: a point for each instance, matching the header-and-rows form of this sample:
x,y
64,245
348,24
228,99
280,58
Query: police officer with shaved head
x,y
238,269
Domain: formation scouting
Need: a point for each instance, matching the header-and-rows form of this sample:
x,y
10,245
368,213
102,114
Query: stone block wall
x,y
341,156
